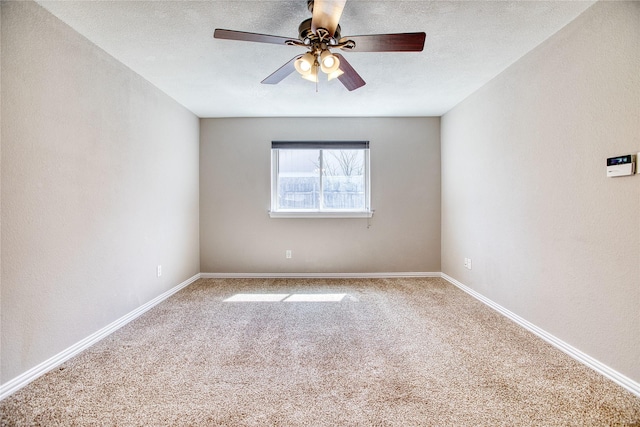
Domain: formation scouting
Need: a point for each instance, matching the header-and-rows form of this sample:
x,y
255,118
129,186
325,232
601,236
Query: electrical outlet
x,y
159,271
469,264
287,254
466,263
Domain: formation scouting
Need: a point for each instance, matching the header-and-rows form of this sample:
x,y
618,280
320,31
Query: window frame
x,y
274,212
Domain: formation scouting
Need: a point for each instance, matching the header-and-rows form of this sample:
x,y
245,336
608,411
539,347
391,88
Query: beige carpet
x,y
397,352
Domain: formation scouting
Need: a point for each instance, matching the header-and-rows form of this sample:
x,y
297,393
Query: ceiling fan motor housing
x,y
306,33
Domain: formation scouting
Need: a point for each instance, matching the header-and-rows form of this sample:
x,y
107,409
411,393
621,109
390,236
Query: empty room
x,y
320,213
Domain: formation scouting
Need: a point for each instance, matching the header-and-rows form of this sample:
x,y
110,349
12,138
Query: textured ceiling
x,y
171,44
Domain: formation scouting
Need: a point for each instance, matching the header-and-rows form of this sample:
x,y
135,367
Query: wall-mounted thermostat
x,y
621,165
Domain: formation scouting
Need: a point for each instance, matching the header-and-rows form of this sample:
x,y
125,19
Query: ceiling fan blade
x,y
401,42
282,72
326,14
249,37
350,79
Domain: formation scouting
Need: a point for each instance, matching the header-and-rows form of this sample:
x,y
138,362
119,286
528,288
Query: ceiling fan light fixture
x,y
312,75
304,64
329,63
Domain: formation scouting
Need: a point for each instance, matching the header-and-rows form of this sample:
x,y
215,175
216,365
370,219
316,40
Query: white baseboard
x,y
585,359
22,380
317,275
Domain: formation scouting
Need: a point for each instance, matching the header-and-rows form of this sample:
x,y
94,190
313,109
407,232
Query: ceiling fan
x,y
321,33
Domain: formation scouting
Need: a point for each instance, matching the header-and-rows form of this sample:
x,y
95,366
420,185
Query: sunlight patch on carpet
x,y
286,298
257,298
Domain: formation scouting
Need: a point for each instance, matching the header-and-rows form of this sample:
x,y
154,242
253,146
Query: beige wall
x,y
99,186
525,193
238,236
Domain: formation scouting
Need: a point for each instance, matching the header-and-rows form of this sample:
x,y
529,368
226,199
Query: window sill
x,y
318,214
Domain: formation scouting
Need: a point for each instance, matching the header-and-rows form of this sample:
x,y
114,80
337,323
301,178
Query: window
x,y
320,179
